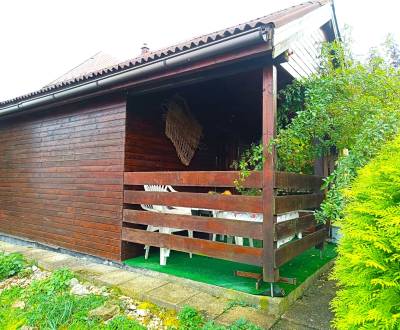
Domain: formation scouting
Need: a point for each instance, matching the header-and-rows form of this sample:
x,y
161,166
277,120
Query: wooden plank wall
x,y
61,176
148,148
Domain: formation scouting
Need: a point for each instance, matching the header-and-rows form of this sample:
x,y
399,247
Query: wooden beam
x,y
291,227
195,200
269,90
293,249
283,180
298,182
238,253
192,178
249,229
290,203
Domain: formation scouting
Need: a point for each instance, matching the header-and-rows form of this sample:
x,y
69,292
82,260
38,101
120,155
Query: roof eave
x,y
248,38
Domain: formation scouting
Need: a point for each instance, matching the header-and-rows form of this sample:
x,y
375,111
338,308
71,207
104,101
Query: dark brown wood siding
x,y
147,146
61,176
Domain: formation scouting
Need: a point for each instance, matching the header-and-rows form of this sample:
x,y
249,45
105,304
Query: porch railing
x,y
294,192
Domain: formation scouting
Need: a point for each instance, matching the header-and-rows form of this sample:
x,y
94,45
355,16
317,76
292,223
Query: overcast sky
x,y
42,39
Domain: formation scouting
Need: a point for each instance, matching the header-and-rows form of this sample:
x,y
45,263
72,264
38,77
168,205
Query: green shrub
x,y
10,264
190,319
368,266
123,323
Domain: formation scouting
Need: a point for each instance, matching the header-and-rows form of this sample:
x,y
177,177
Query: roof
x,y
277,19
94,63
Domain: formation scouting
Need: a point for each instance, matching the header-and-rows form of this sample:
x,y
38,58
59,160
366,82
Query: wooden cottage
x,y
76,154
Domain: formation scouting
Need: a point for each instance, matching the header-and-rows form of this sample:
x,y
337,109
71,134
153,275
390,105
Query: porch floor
x,y
221,273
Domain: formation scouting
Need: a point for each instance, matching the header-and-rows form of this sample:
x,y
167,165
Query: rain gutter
x,y
252,37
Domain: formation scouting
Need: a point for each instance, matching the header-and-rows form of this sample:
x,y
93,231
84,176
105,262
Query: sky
x,y
43,39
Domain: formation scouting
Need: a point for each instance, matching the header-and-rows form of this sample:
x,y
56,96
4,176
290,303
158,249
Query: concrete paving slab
x,y
251,314
116,277
208,304
139,286
38,254
171,295
312,310
14,248
55,261
93,270
5,245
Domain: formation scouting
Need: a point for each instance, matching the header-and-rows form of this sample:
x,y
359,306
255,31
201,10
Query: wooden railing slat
x,y
283,180
298,182
192,178
293,249
203,224
195,200
290,203
238,253
294,226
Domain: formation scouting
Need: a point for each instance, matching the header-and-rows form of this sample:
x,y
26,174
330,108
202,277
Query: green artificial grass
x,y
221,272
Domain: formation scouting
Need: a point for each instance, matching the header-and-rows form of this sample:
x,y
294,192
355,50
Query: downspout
x,y
249,38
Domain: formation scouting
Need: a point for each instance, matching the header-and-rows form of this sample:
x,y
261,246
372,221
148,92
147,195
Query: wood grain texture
x,y
61,176
269,113
294,248
203,224
196,200
290,203
193,178
219,250
291,227
298,182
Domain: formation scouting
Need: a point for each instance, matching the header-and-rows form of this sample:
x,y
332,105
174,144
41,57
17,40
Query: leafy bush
x,y
123,323
190,319
350,105
10,264
368,266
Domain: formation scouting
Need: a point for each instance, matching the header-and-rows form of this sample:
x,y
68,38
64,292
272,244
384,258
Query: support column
x,y
269,79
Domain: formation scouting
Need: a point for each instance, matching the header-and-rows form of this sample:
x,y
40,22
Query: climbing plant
x,y
349,105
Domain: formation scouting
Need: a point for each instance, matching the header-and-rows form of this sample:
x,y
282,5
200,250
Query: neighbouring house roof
x,y
94,63
102,65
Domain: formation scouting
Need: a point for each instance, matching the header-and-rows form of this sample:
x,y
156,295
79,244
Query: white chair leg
x,y
190,234
163,257
251,242
147,249
239,240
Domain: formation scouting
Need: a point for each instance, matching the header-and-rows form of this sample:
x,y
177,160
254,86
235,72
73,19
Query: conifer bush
x,y
368,265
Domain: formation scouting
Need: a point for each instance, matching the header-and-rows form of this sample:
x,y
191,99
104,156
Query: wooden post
x,y
270,272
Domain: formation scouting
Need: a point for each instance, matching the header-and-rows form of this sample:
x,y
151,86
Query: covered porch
x,y
234,110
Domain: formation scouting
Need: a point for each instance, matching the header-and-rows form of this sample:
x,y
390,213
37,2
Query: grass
x,y
48,304
191,319
221,272
10,264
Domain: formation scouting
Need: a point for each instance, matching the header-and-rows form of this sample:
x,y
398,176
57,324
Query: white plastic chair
x,y
259,218
164,252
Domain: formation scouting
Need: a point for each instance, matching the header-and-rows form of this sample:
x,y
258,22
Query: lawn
x,y
33,298
221,272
